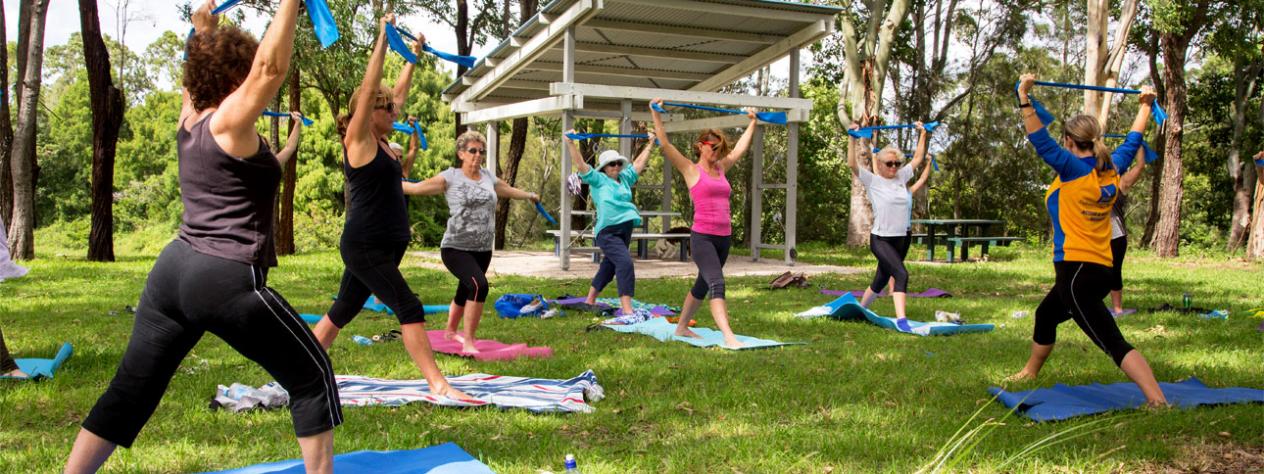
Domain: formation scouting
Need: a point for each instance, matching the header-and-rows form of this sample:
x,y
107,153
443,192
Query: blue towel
x,y
43,368
846,307
1061,402
659,328
446,458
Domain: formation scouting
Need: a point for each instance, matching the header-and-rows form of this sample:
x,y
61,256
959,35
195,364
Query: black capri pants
x,y
1077,294
1118,248
470,269
890,252
372,268
710,252
188,294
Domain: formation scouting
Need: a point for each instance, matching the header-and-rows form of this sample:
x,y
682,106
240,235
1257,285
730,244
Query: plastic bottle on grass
x,y
361,340
572,467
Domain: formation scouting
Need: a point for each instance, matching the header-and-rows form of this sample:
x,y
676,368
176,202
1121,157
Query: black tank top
x,y
378,212
229,203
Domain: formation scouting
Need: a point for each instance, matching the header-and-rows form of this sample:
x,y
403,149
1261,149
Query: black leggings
x,y
7,364
373,269
890,252
1077,294
710,252
613,242
470,270
1118,248
188,294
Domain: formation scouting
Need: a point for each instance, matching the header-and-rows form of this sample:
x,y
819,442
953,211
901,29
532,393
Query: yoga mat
x,y
488,349
659,328
846,307
929,293
43,368
608,303
1061,402
535,395
372,304
446,458
311,318
1123,313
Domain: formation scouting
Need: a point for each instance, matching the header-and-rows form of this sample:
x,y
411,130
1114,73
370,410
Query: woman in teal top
x,y
610,185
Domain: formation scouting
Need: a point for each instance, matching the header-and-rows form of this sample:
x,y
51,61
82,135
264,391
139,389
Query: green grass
x,y
855,399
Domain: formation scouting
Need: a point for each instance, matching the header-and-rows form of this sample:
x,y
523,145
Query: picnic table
x,y
642,251
961,232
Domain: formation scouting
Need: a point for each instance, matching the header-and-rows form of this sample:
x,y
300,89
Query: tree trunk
x,y
1167,234
1255,245
107,117
6,133
285,218
1151,47
1102,65
1242,175
22,240
508,171
464,39
860,222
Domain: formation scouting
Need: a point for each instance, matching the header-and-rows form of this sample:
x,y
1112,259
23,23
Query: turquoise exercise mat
x,y
373,304
43,368
446,458
846,307
427,309
1061,402
659,328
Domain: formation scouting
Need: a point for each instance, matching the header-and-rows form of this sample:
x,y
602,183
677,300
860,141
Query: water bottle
x,y
572,467
361,340
1187,300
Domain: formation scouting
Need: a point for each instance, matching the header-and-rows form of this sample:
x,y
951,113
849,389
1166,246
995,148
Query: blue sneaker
x,y
903,325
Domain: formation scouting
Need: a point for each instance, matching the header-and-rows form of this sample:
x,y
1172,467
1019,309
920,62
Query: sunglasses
x,y
476,151
617,163
892,164
389,107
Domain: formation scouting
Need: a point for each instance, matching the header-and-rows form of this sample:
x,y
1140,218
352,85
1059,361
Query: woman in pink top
x,y
710,238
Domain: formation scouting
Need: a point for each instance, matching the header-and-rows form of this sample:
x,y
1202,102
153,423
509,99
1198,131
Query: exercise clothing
x,y
1080,198
1077,294
229,202
891,252
1118,227
617,261
471,211
1118,248
892,202
612,199
470,269
711,197
378,211
372,268
7,364
710,253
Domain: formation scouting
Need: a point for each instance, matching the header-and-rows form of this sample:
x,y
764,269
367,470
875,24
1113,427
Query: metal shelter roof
x,y
685,45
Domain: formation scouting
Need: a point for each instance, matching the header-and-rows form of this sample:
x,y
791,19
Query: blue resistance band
x,y
867,132
226,6
540,209
776,118
1160,115
933,163
1150,155
322,22
1259,163
587,136
420,131
395,38
306,121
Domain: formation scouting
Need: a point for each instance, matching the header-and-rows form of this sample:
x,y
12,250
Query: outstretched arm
x,y
919,154
639,163
921,180
1134,173
430,187
1144,108
406,76
360,142
577,158
743,143
852,158
291,143
233,124
411,155
1030,121
670,152
506,191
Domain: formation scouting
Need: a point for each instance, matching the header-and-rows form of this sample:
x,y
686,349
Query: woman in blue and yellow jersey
x,y
1079,203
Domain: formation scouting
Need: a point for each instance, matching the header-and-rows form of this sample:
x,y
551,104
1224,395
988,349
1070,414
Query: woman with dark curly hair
x,y
213,277
376,232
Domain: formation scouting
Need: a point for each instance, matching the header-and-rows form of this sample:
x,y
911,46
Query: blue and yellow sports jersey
x,y
1079,200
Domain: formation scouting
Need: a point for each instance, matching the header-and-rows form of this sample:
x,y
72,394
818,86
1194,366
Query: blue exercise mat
x,y
659,328
43,368
846,307
372,304
1061,402
446,458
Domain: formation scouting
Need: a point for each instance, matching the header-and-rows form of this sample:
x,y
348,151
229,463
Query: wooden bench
x,y
965,242
636,236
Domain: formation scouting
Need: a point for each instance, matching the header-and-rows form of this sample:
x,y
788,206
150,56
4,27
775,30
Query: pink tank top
x,y
711,196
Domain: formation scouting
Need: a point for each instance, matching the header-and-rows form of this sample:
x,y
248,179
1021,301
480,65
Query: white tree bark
x,y
22,241
1102,65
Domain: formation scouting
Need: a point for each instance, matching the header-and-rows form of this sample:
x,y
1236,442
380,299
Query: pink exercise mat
x,y
488,349
929,293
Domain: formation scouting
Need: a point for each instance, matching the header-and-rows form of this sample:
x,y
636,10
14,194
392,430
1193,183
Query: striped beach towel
x,y
531,394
